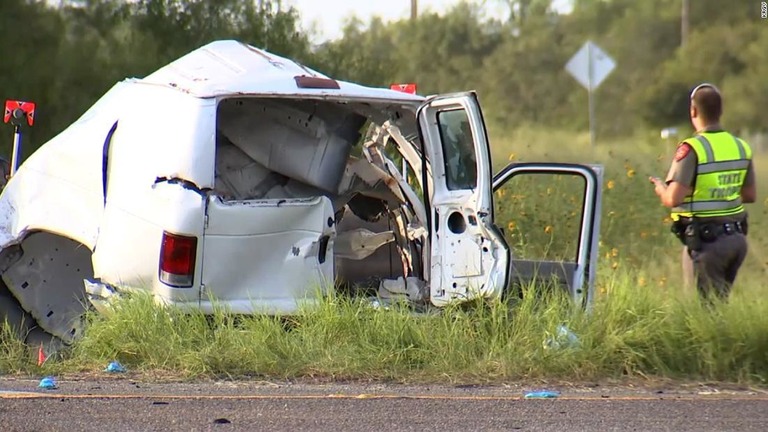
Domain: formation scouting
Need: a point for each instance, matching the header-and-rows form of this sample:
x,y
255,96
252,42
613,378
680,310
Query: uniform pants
x,y
715,266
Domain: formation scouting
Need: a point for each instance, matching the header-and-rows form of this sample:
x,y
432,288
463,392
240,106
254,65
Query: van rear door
x,y
266,255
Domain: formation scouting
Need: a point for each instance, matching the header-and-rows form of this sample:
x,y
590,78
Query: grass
x,y
637,333
643,324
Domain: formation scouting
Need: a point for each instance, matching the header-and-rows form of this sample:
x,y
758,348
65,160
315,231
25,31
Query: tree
x,y
521,10
30,35
439,53
713,54
80,48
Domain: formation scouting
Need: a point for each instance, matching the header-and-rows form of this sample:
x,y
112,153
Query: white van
x,y
236,177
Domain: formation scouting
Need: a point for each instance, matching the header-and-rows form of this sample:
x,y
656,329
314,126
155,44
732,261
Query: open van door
x,y
469,257
570,196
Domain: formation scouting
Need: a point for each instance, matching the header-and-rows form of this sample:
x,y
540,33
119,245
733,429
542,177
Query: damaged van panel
x,y
270,185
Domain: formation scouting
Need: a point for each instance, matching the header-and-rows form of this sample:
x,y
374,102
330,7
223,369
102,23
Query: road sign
x,y
590,65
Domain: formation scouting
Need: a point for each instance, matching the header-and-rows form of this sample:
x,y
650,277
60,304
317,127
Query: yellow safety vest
x,y
723,160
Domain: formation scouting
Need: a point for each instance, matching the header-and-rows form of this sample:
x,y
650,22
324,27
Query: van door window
x,y
458,150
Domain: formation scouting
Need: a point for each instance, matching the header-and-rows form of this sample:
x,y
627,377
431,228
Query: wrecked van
x,y
239,178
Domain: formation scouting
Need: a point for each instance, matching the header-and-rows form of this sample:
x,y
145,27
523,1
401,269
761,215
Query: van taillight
x,y
177,260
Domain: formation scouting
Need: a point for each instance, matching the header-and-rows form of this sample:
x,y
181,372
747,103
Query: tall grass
x,y
642,324
629,333
15,356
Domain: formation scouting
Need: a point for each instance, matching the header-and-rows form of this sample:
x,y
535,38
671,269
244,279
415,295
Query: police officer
x,y
708,183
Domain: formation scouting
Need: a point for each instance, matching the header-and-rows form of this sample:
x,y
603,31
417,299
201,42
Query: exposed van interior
x,y
282,149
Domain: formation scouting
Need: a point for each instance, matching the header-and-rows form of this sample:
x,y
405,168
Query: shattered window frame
x,y
460,160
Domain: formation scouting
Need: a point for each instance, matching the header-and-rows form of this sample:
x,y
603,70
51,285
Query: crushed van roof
x,y
229,67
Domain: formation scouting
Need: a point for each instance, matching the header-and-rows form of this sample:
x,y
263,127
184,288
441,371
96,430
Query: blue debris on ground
x,y
542,394
48,383
114,367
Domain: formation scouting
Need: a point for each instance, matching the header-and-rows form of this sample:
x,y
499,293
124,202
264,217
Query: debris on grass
x,y
563,338
41,357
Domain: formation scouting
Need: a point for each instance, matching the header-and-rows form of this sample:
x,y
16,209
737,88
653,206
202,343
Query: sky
x,y
327,16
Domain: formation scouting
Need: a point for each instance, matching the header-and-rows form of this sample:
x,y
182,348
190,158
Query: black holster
x,y
688,233
678,229
692,237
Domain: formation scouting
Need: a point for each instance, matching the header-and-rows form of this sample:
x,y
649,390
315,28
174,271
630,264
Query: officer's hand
x,y
659,186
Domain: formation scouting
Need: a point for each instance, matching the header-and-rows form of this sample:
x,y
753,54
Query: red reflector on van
x,y
405,88
177,260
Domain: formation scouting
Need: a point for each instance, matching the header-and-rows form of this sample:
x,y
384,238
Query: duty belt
x,y
713,231
693,233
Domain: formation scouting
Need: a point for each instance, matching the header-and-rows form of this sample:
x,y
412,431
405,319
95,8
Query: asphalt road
x,y
127,405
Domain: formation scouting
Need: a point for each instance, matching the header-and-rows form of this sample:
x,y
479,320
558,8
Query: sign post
x,y
590,66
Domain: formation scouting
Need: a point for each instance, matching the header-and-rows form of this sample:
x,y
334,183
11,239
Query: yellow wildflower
x,y
630,173
610,184
615,265
614,252
548,229
641,281
511,226
512,156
